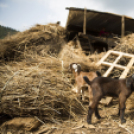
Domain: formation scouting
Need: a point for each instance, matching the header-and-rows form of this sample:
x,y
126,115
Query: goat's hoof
x,y
98,117
123,121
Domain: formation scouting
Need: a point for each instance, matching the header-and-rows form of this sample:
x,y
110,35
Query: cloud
x,y
31,12
59,13
2,5
122,7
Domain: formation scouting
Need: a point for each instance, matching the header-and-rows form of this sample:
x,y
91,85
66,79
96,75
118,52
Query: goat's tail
x,y
87,80
98,73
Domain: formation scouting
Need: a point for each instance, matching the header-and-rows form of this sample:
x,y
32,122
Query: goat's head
x,y
75,67
130,82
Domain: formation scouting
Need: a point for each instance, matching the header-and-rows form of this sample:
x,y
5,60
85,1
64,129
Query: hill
x,y
5,31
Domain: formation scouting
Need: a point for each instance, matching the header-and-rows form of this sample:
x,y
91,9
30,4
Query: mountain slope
x,y
5,31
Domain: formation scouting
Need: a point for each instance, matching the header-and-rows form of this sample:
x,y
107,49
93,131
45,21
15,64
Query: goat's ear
x,y
87,80
129,82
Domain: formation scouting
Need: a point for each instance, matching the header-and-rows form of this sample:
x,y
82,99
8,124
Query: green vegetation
x,y
6,31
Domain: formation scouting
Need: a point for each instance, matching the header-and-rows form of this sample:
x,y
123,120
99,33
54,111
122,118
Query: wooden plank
x,y
124,54
120,67
103,58
112,65
108,71
106,100
84,21
115,65
120,54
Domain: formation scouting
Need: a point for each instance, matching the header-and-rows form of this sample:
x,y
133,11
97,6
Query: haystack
x,y
40,89
34,74
35,80
48,38
126,45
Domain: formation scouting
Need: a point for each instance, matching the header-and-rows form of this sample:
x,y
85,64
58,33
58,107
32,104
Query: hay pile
x,y
40,89
34,77
126,45
34,73
48,38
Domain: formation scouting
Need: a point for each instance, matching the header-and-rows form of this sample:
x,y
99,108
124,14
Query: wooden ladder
x,y
115,65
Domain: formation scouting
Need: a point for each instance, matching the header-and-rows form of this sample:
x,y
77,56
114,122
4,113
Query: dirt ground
x,y
108,124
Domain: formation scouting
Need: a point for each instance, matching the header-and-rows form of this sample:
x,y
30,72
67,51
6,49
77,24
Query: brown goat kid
x,y
80,83
104,86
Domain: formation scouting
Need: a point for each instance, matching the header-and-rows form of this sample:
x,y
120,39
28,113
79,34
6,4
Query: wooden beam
x,y
84,21
104,57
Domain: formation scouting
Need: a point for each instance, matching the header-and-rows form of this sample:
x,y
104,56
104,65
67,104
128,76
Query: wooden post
x,y
84,21
90,46
122,26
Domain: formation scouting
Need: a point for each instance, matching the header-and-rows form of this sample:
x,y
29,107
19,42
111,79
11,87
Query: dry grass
x,y
38,38
35,80
37,88
35,84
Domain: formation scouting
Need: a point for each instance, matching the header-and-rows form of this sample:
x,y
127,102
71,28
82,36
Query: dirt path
x,y
109,123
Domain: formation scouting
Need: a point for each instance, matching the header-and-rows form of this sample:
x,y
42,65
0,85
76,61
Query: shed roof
x,y
96,20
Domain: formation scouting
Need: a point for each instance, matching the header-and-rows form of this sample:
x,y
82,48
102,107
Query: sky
x,y
23,14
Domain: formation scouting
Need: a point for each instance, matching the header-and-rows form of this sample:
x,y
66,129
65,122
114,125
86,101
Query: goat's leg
x,y
90,95
122,108
92,108
89,116
122,111
97,113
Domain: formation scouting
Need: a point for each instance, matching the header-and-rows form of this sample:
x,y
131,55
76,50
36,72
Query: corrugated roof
x,y
96,20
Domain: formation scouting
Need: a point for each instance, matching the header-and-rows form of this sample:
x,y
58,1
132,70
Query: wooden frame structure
x,y
115,65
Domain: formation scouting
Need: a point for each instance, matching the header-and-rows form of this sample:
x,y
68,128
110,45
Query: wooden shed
x,y
85,25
